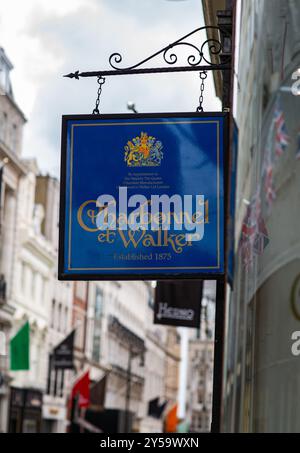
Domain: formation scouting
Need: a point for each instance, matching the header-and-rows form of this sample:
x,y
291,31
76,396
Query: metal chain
x,y
203,76
100,81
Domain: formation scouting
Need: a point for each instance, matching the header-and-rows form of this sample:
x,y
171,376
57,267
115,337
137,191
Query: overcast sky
x,y
45,40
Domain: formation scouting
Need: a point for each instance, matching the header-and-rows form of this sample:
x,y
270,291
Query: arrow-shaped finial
x,y
73,75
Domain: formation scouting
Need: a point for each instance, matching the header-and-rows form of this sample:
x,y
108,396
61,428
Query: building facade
x,y
29,287
59,316
156,363
262,374
135,360
34,263
172,364
13,170
201,364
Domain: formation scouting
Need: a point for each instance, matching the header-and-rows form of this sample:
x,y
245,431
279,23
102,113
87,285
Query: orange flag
x,y
171,420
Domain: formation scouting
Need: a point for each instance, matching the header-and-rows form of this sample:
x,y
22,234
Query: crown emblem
x,y
143,151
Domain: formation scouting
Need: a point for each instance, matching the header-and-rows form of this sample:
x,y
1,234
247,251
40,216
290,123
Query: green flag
x,y
19,349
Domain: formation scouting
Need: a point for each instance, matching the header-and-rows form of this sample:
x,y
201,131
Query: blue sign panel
x,y
142,196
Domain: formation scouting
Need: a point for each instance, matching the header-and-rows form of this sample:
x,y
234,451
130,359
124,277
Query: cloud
x,y
55,39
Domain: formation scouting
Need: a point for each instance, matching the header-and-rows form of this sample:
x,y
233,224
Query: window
x,y
3,126
33,284
199,422
13,138
3,73
79,335
98,303
22,276
96,341
97,325
43,289
29,280
66,319
200,396
59,318
151,301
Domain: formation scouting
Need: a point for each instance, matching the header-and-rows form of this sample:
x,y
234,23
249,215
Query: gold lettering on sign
x,y
91,214
145,218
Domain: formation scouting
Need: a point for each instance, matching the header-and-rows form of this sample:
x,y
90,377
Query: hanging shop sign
x,y
178,303
63,354
142,196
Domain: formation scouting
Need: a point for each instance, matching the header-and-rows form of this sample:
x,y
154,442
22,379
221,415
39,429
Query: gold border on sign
x,y
142,268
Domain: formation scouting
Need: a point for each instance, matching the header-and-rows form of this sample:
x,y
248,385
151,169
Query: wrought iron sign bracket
x,y
199,60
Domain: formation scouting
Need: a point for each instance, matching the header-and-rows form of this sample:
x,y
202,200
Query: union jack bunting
x,y
268,150
248,230
261,239
254,235
246,252
281,136
269,186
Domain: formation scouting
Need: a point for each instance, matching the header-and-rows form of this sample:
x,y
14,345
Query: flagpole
x,y
55,383
62,381
72,414
218,357
49,374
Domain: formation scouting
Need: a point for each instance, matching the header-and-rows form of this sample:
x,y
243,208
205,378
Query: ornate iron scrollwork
x,y
200,54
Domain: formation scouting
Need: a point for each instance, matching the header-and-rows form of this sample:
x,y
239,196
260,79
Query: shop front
x,y
25,412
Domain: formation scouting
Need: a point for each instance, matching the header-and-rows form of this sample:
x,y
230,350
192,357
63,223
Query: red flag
x,y
82,390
